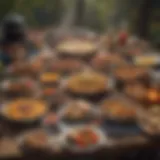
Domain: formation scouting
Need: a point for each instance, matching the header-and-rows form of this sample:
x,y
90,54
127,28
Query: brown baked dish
x,y
118,109
105,62
136,91
36,140
128,73
142,93
26,68
87,83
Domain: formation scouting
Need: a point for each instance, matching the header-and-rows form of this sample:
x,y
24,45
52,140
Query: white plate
x,y
74,148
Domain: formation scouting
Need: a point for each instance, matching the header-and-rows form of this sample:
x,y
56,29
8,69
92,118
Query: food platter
x,y
136,91
76,143
147,60
24,69
34,140
78,112
19,87
130,72
149,120
118,109
90,84
70,97
106,61
77,48
24,110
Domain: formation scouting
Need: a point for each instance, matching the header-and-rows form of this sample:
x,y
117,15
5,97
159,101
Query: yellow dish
x,y
49,77
146,60
25,109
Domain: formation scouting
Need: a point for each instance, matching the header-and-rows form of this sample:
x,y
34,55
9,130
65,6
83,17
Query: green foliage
x,y
6,7
40,12
44,12
101,10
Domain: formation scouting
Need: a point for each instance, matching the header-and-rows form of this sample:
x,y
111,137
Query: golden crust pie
x,y
76,47
25,109
87,83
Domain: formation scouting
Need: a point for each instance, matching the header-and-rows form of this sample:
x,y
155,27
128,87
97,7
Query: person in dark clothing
x,y
13,38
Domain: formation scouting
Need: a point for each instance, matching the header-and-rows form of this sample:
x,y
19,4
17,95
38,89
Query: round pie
x,y
77,47
36,140
24,109
87,83
25,68
136,91
118,109
127,72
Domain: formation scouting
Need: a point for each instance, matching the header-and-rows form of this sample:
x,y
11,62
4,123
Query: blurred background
x,y
141,17
118,38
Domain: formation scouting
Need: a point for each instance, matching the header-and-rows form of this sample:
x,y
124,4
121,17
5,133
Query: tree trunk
x,y
68,17
144,18
79,12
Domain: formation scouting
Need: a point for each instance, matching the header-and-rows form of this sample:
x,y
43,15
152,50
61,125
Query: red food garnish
x,y
123,36
94,138
86,138
79,140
